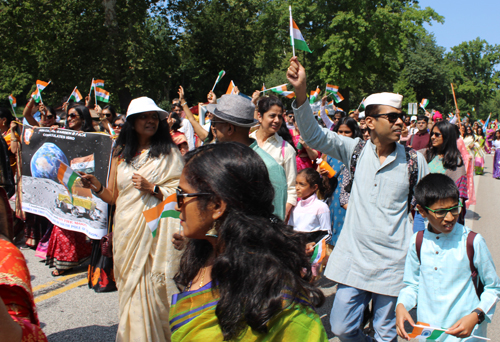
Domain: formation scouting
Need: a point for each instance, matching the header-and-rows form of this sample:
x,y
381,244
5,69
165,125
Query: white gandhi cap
x,y
387,99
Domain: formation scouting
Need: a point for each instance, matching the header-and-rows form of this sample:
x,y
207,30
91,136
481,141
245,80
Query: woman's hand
x,y
87,100
141,184
181,94
170,121
255,97
178,240
236,91
402,316
13,125
324,100
323,172
90,181
98,109
310,248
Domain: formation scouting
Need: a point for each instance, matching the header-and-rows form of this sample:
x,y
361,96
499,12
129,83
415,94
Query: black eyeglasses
x,y
436,134
181,195
391,117
117,125
441,213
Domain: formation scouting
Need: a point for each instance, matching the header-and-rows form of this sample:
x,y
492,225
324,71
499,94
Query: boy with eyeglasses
x,y
441,265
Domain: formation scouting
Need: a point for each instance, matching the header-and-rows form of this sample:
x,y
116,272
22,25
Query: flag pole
x,y
91,84
291,30
454,97
95,96
216,80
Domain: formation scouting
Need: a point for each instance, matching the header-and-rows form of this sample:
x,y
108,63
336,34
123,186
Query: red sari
x,y
16,293
67,249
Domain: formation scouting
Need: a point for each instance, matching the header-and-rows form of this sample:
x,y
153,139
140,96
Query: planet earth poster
x,y
44,150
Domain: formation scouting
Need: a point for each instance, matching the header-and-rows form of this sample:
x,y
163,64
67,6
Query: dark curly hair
x,y
257,256
127,142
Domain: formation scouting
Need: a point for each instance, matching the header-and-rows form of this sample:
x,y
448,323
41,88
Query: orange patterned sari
x,y
15,291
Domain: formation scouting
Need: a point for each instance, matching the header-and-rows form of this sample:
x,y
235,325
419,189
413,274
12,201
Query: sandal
x,y
57,272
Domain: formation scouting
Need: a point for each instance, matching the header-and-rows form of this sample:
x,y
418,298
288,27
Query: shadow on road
x,y
92,333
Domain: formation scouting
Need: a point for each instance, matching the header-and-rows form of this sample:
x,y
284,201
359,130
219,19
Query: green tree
x,y
473,69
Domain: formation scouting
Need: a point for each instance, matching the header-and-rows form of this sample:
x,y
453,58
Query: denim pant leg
x,y
384,318
347,314
418,223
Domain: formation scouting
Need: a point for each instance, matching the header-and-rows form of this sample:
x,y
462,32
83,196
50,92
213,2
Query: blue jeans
x,y
347,315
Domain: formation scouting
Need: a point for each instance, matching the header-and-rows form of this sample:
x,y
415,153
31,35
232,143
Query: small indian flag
x,y
101,94
338,97
296,38
424,331
76,96
98,83
67,176
12,101
332,88
36,96
111,130
314,95
424,103
219,77
230,89
41,85
288,94
319,251
162,210
263,88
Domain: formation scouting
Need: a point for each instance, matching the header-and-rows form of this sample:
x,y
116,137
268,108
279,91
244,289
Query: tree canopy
x,y
149,47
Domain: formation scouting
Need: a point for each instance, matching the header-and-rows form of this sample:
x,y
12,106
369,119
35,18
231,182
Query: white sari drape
x,y
144,266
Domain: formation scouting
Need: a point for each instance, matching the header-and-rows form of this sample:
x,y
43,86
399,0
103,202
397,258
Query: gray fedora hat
x,y
236,110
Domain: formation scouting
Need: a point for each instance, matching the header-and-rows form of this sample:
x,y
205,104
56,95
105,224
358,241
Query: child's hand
x,y
402,316
463,328
310,248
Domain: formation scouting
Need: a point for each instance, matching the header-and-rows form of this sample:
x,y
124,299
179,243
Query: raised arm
x,y
321,139
28,115
198,129
322,112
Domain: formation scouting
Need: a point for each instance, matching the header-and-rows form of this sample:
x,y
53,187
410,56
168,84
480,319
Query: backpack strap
x,y
354,160
478,285
412,162
418,243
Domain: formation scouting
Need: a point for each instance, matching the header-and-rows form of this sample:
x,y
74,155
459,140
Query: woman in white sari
x,y
145,169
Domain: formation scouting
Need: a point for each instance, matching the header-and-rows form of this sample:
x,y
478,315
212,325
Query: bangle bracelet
x,y
183,104
100,191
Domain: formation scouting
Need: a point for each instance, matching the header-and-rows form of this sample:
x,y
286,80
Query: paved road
x,y
69,311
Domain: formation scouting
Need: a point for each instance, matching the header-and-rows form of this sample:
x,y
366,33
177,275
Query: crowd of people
x,y
259,188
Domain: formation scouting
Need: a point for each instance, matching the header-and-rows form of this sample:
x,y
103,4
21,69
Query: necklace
x,y
202,276
136,164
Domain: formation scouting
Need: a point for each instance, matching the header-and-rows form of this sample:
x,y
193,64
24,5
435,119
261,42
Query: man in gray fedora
x,y
233,117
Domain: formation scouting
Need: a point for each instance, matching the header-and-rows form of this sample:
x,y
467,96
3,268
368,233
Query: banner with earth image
x,y
43,151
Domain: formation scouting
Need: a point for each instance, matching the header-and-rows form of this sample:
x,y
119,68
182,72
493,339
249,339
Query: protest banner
x,y
44,152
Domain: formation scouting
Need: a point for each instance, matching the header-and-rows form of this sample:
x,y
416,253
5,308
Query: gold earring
x,y
212,232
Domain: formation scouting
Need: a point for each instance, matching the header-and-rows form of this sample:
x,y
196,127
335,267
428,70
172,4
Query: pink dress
x,y
469,167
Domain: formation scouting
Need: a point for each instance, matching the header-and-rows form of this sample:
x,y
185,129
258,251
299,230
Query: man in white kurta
x,y
368,259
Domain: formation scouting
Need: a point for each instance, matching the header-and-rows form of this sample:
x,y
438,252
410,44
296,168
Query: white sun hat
x,y
145,104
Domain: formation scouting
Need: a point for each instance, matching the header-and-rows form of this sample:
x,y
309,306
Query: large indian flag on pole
x,y
101,94
162,210
296,38
67,176
424,331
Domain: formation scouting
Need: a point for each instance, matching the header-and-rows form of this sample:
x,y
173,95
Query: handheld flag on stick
x,y
331,89
319,252
424,331
296,39
13,102
219,77
162,210
362,103
230,89
424,103
485,126
37,94
263,89
111,130
75,95
283,91
314,95
101,95
338,97
67,177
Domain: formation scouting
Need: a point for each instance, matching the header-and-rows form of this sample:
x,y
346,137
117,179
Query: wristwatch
x,y
156,190
480,315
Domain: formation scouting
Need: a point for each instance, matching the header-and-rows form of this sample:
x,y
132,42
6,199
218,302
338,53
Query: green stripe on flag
x,y
72,180
315,253
102,99
170,213
301,45
435,334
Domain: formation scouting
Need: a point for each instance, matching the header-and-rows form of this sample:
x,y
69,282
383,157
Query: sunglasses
x,y
117,125
391,117
181,195
436,134
108,115
441,213
72,115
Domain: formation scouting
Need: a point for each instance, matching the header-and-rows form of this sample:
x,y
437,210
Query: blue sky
x,y
465,20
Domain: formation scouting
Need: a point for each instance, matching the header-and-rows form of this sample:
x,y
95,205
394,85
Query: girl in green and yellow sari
x,y
244,275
